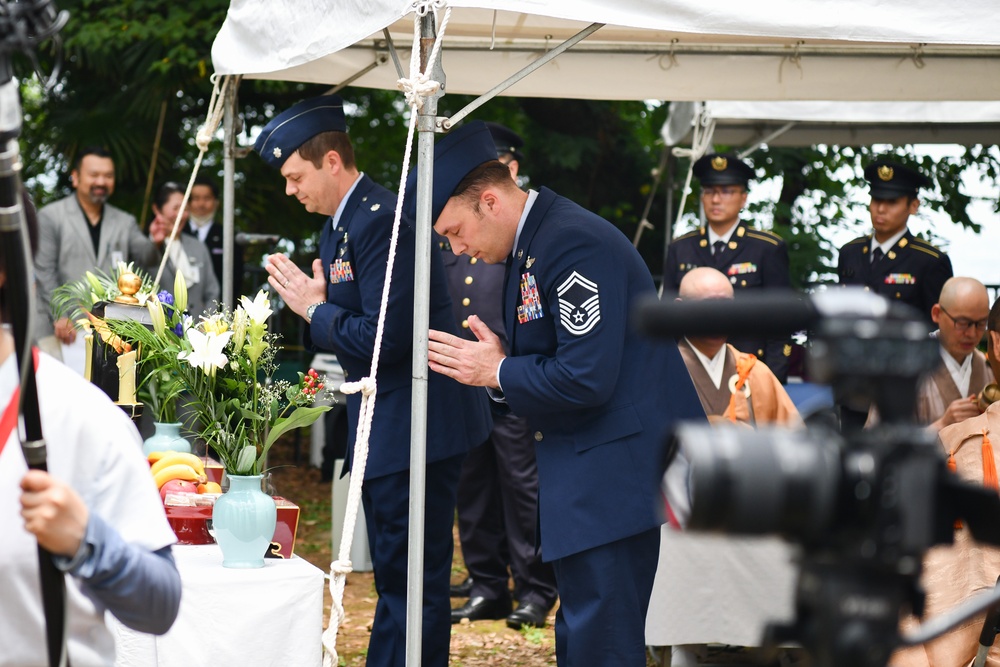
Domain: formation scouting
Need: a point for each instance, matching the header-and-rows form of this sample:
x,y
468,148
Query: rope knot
x,y
204,138
418,87
421,7
342,567
366,385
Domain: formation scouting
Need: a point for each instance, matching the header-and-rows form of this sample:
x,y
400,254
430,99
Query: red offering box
x,y
190,525
213,471
283,542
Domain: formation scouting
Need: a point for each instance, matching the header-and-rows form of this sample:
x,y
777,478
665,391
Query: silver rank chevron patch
x,y
579,304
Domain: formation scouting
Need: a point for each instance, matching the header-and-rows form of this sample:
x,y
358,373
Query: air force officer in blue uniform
x,y
597,396
341,303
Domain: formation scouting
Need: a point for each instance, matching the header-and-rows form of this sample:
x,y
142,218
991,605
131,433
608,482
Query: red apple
x,y
177,486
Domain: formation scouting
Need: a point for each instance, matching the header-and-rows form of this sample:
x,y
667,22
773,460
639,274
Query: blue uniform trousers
x,y
386,503
603,597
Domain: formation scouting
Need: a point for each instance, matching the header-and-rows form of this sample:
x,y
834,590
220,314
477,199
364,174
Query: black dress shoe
x,y
463,589
530,614
480,608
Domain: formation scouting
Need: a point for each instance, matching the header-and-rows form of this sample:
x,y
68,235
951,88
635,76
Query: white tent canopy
x,y
871,50
804,123
648,49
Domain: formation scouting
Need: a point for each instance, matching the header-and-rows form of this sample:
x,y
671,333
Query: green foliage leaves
x,y
131,64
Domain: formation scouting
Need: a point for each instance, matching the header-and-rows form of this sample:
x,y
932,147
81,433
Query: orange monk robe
x,y
955,572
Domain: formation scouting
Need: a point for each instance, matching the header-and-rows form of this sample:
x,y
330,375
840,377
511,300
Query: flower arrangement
x,y
158,388
224,363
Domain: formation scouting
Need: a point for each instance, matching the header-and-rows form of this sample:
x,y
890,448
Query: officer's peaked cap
x,y
719,169
291,128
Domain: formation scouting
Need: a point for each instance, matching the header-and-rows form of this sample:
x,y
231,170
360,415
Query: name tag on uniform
x,y
341,272
742,269
531,302
900,279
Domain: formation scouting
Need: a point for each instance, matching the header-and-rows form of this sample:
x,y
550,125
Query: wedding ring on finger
x,y
285,284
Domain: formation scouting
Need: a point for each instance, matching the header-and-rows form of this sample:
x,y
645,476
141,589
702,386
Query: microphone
x,y
253,239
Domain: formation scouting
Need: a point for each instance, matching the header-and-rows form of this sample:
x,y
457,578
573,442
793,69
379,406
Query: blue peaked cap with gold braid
x,y
291,128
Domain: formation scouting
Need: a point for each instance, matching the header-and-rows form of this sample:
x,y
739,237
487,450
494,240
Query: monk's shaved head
x,y
964,293
705,283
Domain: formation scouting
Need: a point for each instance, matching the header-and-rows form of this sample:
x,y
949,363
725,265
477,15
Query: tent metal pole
x,y
392,52
228,191
668,231
766,139
380,59
517,76
421,325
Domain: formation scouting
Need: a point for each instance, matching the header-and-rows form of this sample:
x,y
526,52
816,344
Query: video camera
x,y
864,507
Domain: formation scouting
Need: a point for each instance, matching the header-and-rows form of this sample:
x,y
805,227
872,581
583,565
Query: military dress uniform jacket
x,y
66,251
354,261
475,288
913,271
598,396
753,259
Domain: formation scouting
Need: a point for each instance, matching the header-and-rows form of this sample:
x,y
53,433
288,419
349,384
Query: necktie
x,y
877,256
718,247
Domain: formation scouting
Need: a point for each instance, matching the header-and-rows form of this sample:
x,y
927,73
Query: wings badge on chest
x,y
579,304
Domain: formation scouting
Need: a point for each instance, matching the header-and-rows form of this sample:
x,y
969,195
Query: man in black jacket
x,y
751,258
891,261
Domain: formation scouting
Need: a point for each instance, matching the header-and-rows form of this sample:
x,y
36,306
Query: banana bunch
x,y
166,466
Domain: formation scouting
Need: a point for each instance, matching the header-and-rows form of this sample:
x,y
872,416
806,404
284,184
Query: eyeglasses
x,y
964,323
724,192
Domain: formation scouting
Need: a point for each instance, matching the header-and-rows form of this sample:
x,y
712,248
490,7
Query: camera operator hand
x,y
957,411
53,512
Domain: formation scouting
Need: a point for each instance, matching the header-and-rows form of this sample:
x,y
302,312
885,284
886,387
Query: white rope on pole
x,y
216,108
415,88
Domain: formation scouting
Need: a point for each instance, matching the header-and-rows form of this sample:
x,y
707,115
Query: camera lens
x,y
752,482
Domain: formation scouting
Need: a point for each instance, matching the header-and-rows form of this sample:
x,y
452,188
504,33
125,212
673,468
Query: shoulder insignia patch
x,y
687,236
765,236
579,304
930,250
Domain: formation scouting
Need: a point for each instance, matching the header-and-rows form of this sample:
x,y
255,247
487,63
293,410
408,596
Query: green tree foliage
x,y
132,64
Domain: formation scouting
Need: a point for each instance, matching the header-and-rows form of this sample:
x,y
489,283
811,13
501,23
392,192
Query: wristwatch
x,y
311,310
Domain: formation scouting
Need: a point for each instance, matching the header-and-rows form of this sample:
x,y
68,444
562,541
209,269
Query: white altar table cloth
x,y
267,617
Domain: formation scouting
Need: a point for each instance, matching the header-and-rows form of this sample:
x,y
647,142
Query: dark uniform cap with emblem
x,y
717,169
890,179
507,141
291,128
455,156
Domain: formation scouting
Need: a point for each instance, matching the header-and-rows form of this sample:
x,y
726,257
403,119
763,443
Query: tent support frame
x,y
448,123
426,122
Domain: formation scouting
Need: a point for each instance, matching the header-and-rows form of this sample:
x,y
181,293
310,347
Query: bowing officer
x,y
597,395
891,261
750,258
340,303
498,489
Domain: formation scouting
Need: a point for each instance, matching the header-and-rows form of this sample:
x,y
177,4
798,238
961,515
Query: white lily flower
x,y
206,350
156,314
259,309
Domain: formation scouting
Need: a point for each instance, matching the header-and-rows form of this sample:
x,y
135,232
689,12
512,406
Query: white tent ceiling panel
x,y
649,49
745,123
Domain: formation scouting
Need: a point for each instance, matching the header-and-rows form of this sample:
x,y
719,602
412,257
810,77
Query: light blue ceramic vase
x,y
166,438
243,520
